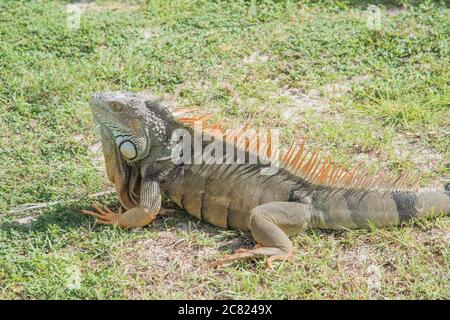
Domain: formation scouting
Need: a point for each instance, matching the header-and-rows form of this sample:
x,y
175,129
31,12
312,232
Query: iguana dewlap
x,y
305,192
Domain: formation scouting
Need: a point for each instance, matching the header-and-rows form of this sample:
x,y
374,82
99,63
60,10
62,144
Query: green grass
x,y
378,96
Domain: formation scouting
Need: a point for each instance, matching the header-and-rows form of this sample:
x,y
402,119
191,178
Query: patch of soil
x,y
314,99
256,57
83,5
166,265
393,11
423,157
169,251
302,102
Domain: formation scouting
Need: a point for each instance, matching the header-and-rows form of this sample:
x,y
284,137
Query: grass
x,y
312,68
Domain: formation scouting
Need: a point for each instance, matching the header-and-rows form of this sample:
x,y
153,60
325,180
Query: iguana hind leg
x,y
270,225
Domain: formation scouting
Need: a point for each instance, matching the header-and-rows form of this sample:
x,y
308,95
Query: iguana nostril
x,y
93,98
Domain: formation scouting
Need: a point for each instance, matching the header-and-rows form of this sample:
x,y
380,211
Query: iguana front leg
x,y
140,216
270,225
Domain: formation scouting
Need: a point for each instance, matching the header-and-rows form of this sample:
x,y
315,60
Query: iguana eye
x,y
116,107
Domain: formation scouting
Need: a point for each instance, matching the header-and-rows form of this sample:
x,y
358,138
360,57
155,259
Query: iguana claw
x,y
242,250
104,215
257,251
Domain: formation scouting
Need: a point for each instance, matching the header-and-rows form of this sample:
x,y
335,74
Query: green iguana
x,y
304,191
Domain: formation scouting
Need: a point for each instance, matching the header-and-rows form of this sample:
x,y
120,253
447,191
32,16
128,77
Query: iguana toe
x,y
104,215
278,258
273,254
233,257
242,250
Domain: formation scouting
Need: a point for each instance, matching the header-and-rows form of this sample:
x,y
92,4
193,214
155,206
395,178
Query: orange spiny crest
x,y
274,152
384,180
262,145
299,167
240,140
351,176
360,181
269,144
235,137
311,166
288,151
399,181
205,118
293,165
333,171
260,141
323,173
315,166
375,181
315,172
369,182
254,142
303,168
328,171
248,141
392,181
217,126
339,176
297,156
189,120
311,163
288,154
409,181
184,110
266,149
185,120
254,138
215,130
342,177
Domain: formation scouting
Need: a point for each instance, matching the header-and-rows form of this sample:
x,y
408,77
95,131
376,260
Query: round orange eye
x,y
116,107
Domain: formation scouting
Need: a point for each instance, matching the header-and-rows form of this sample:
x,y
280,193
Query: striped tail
x,y
432,202
347,209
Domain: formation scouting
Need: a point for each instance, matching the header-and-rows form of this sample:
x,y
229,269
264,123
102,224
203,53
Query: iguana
x,y
304,191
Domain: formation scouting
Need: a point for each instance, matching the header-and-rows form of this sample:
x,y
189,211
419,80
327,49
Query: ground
x,y
367,88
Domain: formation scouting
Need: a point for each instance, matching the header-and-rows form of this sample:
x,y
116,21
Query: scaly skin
x,y
136,139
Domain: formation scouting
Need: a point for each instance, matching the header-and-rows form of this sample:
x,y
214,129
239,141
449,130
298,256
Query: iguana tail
x,y
350,209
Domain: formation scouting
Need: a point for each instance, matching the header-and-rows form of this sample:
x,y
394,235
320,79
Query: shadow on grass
x,y
64,217
363,4
67,218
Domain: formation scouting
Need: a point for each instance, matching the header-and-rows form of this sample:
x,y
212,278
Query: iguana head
x,y
135,122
